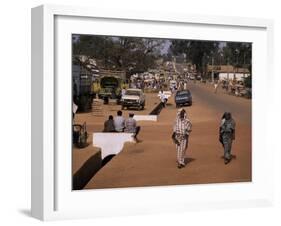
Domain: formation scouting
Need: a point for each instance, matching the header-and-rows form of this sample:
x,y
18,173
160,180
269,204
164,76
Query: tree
x,y
125,53
199,52
238,54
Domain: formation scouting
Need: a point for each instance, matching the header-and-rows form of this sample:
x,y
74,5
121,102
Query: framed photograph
x,y
136,112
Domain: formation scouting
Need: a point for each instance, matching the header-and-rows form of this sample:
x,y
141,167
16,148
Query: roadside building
x,y
227,72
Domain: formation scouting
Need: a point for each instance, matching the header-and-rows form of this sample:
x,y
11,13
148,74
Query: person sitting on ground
x,y
119,122
131,126
109,125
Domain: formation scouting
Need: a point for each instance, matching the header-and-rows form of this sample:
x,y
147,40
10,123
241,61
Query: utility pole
x,y
227,69
221,56
237,52
212,68
244,66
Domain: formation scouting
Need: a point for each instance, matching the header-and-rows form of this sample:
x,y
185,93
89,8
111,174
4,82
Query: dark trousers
x,y
227,143
137,131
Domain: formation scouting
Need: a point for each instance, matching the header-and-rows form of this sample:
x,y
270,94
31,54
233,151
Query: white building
x,y
231,76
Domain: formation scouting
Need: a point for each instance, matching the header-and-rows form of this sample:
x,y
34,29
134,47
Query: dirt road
x,y
153,161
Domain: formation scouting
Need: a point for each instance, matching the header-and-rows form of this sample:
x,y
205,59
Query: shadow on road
x,y
189,160
232,157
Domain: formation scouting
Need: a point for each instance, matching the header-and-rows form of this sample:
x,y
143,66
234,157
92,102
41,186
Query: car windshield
x,y
184,92
133,92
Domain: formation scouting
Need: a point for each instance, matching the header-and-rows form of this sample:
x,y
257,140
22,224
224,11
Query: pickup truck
x,y
133,98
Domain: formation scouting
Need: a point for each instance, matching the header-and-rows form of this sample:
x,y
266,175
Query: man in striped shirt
x,y
181,131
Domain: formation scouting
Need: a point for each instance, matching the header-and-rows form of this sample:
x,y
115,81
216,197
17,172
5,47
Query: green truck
x,y
110,87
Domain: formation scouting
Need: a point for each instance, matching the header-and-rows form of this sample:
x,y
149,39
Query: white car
x,y
133,98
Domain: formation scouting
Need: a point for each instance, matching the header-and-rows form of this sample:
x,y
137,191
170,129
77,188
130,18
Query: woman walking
x,y
227,135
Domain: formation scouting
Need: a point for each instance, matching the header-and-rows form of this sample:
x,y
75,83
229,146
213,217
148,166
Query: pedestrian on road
x,y
123,91
162,98
119,122
109,125
227,135
131,126
216,87
181,131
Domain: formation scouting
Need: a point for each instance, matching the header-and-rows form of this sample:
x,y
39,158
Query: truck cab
x,y
110,87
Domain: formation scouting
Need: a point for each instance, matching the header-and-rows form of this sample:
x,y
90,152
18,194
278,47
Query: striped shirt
x,y
182,126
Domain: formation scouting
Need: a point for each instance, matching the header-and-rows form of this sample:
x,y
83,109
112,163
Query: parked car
x,y
191,77
133,98
183,97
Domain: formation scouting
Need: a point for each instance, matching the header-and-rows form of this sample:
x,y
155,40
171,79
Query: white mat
x,y
111,143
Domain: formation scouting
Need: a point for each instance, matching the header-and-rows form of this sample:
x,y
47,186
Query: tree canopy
x,y
125,53
202,53
139,54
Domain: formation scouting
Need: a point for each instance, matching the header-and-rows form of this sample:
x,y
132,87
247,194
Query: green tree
x,y
126,53
238,54
199,52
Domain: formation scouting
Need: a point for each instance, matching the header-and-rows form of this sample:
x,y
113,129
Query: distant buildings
x,y
222,72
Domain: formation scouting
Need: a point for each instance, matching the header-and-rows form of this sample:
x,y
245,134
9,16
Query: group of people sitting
x,y
120,124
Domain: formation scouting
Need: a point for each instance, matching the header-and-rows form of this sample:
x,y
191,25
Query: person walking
x,y
162,97
181,132
131,127
119,122
123,91
227,135
216,87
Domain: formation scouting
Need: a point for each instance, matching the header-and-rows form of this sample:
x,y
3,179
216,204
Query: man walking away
x,y
181,131
119,122
131,126
109,125
227,135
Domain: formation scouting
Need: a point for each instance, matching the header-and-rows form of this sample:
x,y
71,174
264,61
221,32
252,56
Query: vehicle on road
x,y
110,87
183,97
198,77
192,77
82,81
133,98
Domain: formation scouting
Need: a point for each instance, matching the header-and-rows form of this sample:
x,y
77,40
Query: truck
x,y
82,87
110,87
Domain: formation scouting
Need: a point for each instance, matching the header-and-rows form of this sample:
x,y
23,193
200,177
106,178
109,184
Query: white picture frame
x,y
53,199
